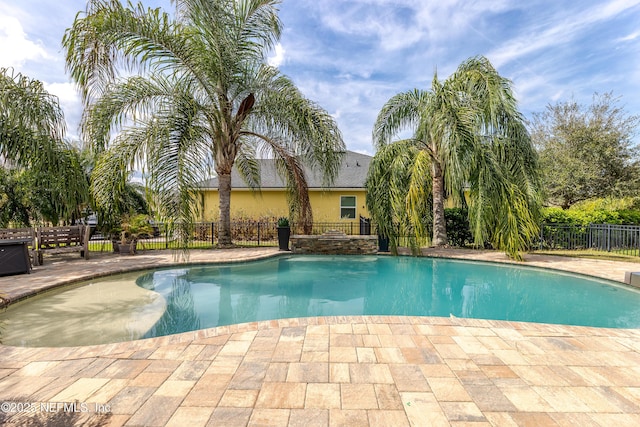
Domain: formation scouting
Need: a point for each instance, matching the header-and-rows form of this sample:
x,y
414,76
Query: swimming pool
x,y
172,300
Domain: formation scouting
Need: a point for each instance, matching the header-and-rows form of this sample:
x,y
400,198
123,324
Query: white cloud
x,y
278,58
630,37
559,31
71,105
15,47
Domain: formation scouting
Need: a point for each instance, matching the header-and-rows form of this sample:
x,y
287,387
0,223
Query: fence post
x,y
258,233
166,236
608,237
213,234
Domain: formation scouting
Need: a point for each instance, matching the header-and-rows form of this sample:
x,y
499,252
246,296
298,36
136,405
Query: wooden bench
x,y
22,234
55,240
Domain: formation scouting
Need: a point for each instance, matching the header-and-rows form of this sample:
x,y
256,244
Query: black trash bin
x,y
14,257
365,226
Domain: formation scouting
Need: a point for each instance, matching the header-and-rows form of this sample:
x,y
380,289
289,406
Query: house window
x,y
347,207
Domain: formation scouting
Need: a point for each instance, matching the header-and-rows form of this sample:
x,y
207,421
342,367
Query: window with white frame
x,y
347,207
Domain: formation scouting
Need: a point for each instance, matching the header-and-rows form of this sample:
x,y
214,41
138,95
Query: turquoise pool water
x,y
174,300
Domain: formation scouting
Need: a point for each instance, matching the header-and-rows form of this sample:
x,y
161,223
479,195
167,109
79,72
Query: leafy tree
x,y
34,151
467,132
586,151
204,96
14,200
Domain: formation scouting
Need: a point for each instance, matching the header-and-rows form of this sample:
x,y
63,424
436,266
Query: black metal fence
x,y
623,239
243,233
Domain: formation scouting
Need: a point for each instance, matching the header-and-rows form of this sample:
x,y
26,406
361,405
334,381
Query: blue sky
x,y
351,56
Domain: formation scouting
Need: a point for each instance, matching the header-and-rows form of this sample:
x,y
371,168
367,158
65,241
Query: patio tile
x,y
618,420
229,417
208,390
269,417
19,387
315,356
239,398
287,352
448,390
419,356
124,369
490,399
322,396
409,378
462,411
224,365
348,417
149,379
389,355
190,416
533,419
277,372
309,418
562,399
343,354
388,396
422,409
155,412
499,371
174,388
249,375
53,387
339,373
568,419
366,355
437,371
358,396
190,370
370,373
308,373
80,390
281,395
384,418
108,391
526,399
163,366
129,399
36,369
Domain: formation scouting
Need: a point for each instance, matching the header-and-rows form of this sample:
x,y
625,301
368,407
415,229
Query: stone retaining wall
x,y
334,242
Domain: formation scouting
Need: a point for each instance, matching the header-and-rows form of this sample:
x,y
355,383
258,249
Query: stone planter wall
x,y
334,242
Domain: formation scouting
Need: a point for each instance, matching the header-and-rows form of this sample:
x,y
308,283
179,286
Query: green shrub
x,y
594,212
458,232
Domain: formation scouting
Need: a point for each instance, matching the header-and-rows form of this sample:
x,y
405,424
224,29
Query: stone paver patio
x,y
327,371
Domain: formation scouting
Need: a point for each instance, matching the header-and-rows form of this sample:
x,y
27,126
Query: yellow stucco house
x,y
344,202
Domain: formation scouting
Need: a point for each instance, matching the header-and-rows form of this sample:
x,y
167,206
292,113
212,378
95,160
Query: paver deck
x,y
327,371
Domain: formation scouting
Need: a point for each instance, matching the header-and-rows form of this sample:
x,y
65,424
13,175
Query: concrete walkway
x,y
362,370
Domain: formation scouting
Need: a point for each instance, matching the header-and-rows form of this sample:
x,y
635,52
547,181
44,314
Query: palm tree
x,y
32,129
204,97
467,133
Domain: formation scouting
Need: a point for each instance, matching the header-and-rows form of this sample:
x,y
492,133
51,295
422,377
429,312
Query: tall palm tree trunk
x,y
439,222
224,192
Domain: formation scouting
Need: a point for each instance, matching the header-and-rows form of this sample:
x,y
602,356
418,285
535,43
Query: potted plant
x,y
132,228
284,231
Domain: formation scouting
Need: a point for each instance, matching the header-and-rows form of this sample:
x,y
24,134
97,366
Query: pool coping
x,y
539,373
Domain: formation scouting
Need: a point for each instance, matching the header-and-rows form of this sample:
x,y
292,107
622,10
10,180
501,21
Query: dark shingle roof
x,y
353,174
